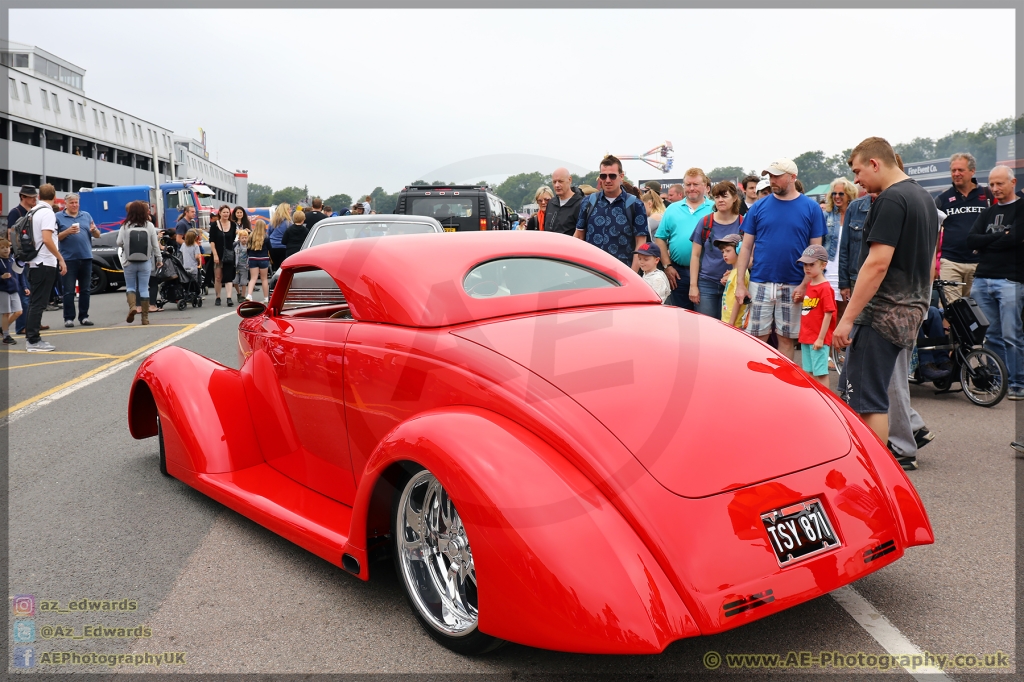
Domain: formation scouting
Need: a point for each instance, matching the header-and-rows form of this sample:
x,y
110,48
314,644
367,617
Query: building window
x,y
24,91
123,130
46,100
81,112
71,106
104,115
56,102
13,88
21,60
71,78
96,116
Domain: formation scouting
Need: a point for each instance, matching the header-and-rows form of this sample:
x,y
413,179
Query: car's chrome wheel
x,y
435,562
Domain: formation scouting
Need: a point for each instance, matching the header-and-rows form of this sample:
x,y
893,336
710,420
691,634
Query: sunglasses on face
x,y
839,194
608,176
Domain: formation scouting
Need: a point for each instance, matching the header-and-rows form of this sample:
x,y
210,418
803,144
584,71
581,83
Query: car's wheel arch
x,y
540,531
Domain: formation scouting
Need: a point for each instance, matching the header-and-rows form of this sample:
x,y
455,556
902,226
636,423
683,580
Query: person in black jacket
x,y
295,234
563,210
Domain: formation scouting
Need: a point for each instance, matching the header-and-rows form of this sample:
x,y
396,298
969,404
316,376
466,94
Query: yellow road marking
x,y
82,377
66,352
114,328
52,362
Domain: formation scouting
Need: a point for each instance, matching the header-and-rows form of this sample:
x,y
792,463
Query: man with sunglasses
x,y
612,220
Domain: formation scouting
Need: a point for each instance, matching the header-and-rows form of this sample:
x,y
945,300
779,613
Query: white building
x,y
51,132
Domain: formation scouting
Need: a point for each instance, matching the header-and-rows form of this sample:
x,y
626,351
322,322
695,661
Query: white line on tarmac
x,y
884,632
29,409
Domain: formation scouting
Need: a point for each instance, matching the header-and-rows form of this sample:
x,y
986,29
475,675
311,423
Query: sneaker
x,y
217,301
9,341
231,304
249,297
86,322
69,323
923,436
907,462
50,307
40,347
1015,394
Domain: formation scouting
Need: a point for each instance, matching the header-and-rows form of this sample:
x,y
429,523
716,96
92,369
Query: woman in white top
x,y
139,247
655,209
840,194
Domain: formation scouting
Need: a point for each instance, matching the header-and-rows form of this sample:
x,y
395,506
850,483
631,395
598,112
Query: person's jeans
x,y
80,271
932,333
680,296
710,298
136,277
40,281
1002,300
903,419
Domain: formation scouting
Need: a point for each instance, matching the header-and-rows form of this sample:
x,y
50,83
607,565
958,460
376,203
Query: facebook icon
x,y
24,657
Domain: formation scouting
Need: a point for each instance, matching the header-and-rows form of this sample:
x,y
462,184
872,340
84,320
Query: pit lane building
x,y
51,132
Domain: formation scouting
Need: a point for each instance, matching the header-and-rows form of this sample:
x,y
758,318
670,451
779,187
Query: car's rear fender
x,y
557,565
203,411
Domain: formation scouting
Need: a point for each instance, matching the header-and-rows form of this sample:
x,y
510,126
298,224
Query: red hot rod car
x,y
551,456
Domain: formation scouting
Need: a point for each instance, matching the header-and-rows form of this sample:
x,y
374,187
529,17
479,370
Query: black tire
x,y
983,377
182,304
163,453
98,281
470,642
943,384
838,357
200,303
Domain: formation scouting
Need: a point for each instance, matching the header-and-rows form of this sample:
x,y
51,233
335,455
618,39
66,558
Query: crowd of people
x,y
854,272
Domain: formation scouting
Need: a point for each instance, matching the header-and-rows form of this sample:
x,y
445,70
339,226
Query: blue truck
x,y
106,205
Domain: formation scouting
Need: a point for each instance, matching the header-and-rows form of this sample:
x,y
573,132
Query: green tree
x,y
259,195
918,149
817,169
588,179
518,190
289,195
382,202
337,201
732,173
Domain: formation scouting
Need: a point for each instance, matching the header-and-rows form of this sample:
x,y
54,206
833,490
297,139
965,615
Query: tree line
x,y
816,168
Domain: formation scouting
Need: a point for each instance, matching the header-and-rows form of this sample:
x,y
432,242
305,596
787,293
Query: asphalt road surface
x,y
91,517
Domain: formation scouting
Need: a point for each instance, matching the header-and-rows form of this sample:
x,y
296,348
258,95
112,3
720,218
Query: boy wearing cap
x,y
818,316
649,255
735,316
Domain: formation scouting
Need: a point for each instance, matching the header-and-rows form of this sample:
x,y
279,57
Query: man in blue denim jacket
x,y
850,244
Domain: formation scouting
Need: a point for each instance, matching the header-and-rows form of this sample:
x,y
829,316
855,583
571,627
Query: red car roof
x,y
416,280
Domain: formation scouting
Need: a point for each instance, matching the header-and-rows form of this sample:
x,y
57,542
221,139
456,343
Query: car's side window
x,y
314,294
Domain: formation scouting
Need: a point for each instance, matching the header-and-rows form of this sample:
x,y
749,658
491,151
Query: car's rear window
x,y
443,207
514,276
336,233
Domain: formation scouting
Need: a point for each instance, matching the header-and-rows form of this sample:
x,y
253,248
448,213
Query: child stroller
x,y
178,285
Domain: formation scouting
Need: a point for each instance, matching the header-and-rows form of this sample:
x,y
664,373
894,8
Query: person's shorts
x,y
9,303
867,371
814,362
773,302
258,262
241,276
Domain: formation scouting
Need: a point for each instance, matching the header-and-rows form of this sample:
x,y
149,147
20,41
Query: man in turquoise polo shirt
x,y
677,225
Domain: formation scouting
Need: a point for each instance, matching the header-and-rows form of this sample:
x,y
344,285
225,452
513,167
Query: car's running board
x,y
268,497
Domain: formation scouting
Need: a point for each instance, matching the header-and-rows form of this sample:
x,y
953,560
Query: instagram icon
x,y
24,605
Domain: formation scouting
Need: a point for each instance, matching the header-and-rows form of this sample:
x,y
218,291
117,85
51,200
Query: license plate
x,y
449,229
799,531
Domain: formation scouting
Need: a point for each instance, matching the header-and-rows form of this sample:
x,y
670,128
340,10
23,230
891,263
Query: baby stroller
x,y
177,284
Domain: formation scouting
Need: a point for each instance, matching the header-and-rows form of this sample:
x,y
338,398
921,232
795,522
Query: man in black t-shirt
x,y
893,285
315,214
962,203
998,237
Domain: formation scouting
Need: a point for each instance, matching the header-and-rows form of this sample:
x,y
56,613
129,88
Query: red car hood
x,y
705,408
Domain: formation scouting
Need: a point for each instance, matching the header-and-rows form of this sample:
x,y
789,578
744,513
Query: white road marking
x,y
884,632
29,409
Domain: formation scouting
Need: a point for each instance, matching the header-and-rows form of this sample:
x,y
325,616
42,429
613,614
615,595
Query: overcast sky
x,y
345,100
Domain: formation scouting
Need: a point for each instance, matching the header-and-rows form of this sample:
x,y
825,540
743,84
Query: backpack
x,y
707,223
23,244
591,202
138,244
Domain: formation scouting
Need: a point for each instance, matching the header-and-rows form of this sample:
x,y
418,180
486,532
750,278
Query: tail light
x,y
483,223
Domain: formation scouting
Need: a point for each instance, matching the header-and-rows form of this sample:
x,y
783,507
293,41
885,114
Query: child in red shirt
x,y
818,317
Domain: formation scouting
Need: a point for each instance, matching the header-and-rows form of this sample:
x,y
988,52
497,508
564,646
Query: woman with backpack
x,y
139,246
707,266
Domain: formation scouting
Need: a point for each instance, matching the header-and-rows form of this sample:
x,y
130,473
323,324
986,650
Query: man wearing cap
x,y
28,197
75,232
649,255
779,227
674,232
763,189
563,210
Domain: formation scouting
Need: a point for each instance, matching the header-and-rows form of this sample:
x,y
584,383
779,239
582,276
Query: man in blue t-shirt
x,y
776,230
75,230
605,223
